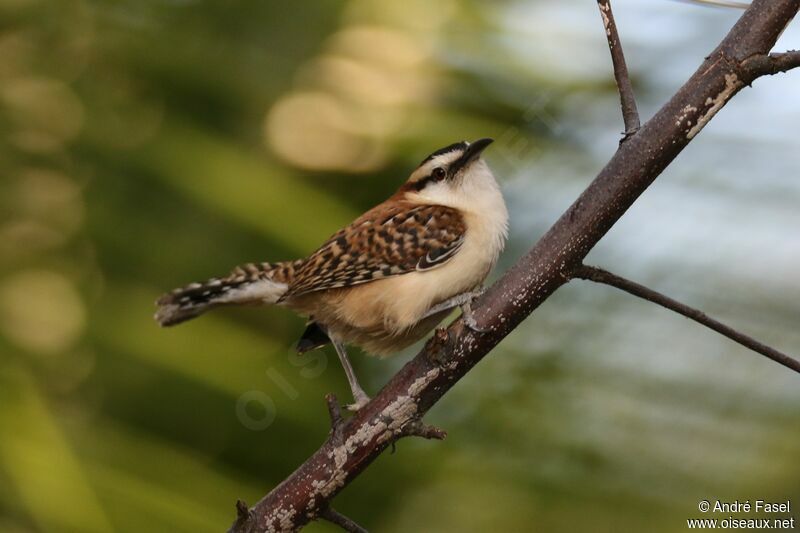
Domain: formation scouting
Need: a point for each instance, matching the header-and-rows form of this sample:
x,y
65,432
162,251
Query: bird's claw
x,y
361,399
470,322
469,318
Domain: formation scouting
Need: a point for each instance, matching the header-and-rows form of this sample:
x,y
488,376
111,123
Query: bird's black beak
x,y
472,153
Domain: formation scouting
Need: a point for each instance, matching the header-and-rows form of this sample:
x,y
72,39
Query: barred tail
x,y
262,283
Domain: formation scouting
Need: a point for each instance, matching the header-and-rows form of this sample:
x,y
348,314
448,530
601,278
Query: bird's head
x,y
454,169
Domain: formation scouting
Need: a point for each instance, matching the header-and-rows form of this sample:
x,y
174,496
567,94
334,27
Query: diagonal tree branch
x,y
451,353
630,115
599,275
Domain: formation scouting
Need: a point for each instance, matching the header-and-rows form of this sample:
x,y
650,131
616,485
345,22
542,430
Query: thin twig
x,y
242,513
719,3
417,428
773,63
599,275
630,115
335,517
784,61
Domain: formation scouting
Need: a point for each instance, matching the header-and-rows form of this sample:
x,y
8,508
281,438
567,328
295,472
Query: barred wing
x,y
384,242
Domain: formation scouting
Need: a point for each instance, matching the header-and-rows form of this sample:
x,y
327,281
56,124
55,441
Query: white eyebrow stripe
x,y
446,158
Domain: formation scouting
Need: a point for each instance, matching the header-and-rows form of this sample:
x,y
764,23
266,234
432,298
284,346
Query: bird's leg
x,y
360,397
464,301
450,303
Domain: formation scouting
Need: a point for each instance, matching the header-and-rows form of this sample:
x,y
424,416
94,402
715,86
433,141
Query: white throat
x,y
477,196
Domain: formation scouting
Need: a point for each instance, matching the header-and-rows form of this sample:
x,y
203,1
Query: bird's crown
x,y
446,163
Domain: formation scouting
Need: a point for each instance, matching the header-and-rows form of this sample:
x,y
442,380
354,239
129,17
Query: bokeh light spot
x,y
307,129
41,311
50,196
46,112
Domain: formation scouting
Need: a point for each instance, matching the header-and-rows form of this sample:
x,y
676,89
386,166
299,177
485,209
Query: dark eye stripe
x,y
422,183
438,174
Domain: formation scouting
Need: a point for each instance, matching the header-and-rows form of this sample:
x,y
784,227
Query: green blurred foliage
x,y
152,143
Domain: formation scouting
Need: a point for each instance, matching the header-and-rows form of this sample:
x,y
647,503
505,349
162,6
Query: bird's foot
x,y
469,317
361,399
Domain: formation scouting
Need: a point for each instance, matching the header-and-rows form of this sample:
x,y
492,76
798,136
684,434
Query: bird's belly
x,y
381,341
374,316
386,315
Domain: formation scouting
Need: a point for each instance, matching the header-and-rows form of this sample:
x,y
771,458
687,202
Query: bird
x,y
387,279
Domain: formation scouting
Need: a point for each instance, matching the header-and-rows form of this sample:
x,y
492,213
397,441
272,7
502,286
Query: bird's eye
x,y
439,173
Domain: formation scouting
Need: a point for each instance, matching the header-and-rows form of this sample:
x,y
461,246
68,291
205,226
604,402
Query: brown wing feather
x,y
384,242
